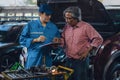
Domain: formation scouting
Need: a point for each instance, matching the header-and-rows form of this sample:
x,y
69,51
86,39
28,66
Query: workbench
x,y
16,75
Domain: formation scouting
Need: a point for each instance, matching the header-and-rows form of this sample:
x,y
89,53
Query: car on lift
x,y
105,60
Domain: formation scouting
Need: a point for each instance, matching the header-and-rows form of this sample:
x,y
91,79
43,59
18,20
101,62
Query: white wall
x,y
14,2
111,2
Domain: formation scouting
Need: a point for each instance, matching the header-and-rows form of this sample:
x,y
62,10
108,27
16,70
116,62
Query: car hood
x,y
5,44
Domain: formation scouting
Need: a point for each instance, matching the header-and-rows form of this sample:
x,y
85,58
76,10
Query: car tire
x,y
113,73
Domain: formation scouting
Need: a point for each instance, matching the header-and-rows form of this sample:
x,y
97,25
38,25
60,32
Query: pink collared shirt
x,y
78,40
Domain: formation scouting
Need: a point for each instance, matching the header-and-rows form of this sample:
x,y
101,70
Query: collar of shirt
x,y
77,25
47,24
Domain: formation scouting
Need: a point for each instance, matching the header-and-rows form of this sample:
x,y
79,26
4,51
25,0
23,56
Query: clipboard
x,y
49,44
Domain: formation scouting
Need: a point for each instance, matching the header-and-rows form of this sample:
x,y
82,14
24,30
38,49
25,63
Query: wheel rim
x,y
116,75
7,61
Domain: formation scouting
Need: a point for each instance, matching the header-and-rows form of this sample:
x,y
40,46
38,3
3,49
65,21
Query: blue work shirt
x,y
33,30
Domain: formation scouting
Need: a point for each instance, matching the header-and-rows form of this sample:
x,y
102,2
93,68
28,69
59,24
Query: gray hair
x,y
75,11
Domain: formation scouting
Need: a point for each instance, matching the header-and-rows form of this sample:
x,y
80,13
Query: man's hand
x,y
39,39
85,54
56,40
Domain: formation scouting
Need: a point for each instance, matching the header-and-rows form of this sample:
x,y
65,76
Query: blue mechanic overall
x,y
35,52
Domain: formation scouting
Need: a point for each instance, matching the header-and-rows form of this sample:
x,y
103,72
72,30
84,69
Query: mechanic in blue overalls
x,y
36,34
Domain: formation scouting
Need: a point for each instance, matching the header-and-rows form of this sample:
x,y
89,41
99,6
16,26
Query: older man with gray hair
x,y
78,38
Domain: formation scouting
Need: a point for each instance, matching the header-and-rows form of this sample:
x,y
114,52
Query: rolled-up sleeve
x,y
95,37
